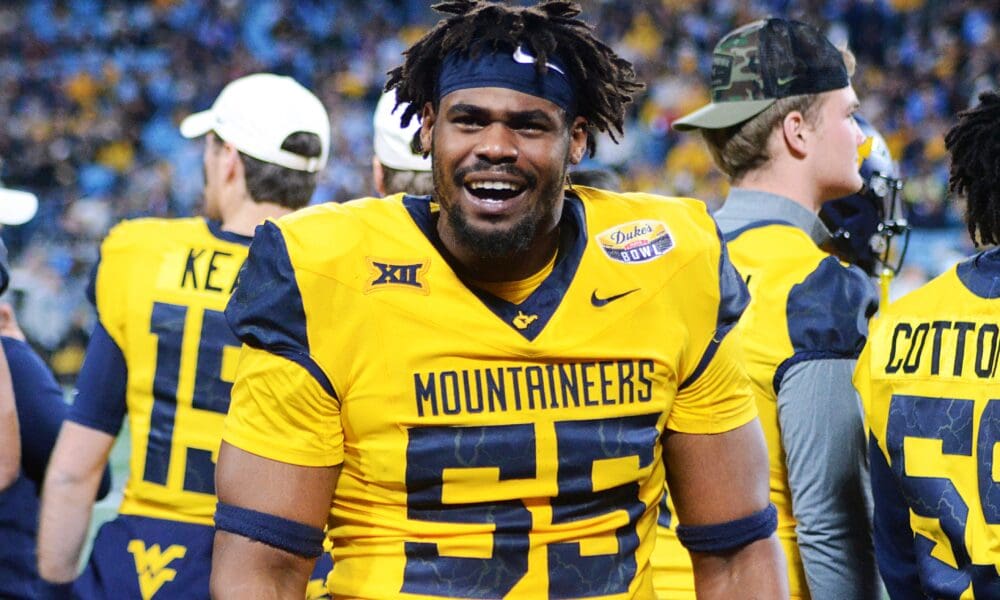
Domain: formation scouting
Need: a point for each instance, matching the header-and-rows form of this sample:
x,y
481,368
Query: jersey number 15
x,y
210,393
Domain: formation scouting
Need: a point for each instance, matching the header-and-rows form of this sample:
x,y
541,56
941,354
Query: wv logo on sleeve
x,y
397,275
151,565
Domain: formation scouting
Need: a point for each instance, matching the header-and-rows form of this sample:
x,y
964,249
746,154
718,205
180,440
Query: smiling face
x,y
499,160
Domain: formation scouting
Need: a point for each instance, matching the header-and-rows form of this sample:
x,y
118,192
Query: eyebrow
x,y
517,116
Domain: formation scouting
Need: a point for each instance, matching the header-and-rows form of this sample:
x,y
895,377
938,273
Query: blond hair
x,y
739,149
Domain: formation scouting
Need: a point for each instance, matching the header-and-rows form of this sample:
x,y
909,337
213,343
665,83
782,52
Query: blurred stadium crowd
x,y
91,93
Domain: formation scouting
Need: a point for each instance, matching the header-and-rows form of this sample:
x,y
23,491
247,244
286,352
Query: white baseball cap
x,y
258,112
392,141
16,207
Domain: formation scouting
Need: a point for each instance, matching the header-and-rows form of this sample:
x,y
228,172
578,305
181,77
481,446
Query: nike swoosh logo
x,y
784,80
599,302
522,57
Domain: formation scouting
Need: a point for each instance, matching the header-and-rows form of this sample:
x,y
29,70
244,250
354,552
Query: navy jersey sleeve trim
x,y
894,549
266,310
829,310
101,385
733,300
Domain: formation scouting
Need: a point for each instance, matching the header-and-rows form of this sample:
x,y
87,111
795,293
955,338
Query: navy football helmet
x,y
864,225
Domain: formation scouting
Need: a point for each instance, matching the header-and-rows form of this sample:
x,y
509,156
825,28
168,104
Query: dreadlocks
x,y
974,144
603,82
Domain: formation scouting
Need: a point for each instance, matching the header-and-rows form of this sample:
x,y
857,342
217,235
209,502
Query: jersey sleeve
x,y
101,385
283,405
102,382
827,315
715,396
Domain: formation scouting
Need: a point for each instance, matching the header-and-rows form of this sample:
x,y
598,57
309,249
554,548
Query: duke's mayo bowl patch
x,y
636,241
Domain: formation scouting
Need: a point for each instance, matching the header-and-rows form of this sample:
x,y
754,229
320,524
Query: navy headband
x,y
513,70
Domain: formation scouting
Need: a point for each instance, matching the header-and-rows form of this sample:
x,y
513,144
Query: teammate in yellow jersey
x,y
480,392
781,126
163,355
928,379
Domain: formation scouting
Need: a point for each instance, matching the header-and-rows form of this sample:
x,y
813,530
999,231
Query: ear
x,y
577,140
427,118
795,133
231,163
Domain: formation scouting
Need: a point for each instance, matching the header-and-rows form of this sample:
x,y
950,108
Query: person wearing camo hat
x,y
781,126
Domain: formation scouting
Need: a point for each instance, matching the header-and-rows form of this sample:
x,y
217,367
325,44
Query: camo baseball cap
x,y
757,64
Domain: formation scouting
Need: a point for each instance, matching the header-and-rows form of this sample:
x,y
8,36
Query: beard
x,y
492,245
497,244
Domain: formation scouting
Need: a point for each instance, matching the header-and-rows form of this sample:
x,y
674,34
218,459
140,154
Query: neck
x,y
789,183
245,217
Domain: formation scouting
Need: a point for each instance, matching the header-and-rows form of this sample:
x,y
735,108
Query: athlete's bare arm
x,y
71,482
720,478
244,568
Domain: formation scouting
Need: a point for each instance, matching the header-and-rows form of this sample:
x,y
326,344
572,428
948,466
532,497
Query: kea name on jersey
x,y
160,290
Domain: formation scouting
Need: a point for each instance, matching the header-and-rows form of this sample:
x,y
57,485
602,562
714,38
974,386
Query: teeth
x,y
492,185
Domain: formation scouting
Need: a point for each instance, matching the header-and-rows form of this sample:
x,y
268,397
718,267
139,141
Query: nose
x,y
859,136
496,144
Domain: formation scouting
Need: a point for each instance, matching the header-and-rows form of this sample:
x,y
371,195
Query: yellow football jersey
x,y
804,304
160,290
928,380
488,449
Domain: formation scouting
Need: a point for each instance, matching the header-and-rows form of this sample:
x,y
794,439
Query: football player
x,y
163,356
928,378
781,126
481,391
40,411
